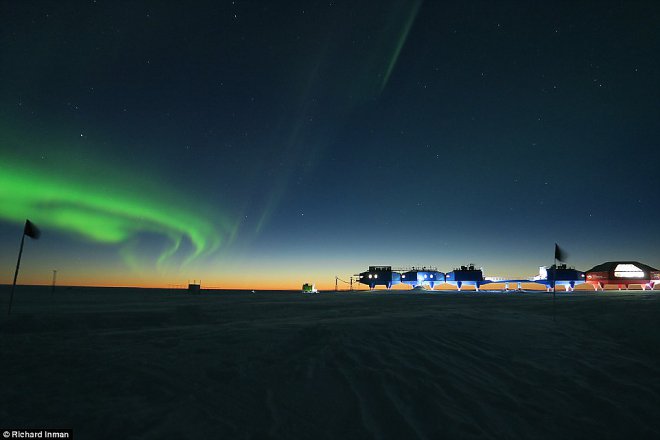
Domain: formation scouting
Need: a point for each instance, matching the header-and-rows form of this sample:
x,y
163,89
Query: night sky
x,y
262,144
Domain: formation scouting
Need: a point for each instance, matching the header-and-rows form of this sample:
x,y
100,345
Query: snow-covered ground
x,y
131,363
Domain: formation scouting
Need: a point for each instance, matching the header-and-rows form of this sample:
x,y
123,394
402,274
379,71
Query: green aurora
x,y
88,209
401,41
368,78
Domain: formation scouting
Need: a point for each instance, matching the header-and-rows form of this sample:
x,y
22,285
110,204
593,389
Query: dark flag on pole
x,y
31,230
560,254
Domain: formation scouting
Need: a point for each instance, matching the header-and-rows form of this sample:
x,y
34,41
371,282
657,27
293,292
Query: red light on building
x,y
622,274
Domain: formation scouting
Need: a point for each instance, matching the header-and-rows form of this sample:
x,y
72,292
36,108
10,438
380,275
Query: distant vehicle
x,y
309,288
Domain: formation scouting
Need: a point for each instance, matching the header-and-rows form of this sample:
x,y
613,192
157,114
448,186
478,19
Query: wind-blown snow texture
x,y
129,363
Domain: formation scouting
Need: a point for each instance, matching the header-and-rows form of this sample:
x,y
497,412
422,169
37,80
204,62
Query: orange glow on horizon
x,y
160,284
213,284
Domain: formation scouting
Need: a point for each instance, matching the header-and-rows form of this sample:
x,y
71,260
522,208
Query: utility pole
x,y
52,289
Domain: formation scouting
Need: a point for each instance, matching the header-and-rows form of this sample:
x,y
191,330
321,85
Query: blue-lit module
x,y
379,276
422,277
466,275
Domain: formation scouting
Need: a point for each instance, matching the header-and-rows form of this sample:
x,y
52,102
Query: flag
x,y
560,254
31,230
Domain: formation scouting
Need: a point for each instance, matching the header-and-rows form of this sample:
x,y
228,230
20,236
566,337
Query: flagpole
x,y
554,285
18,264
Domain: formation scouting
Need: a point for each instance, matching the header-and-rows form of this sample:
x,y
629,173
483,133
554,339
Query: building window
x,y
628,271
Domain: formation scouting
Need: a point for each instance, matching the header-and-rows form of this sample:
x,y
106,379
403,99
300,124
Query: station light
x,y
628,271
403,276
376,276
369,275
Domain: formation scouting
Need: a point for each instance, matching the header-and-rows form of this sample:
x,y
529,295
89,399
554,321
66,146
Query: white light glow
x,y
369,275
376,276
628,271
403,276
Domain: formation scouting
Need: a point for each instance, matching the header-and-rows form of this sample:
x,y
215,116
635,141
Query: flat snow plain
x,y
142,363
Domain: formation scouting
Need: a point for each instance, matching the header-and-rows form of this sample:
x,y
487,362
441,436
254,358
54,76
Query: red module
x,y
623,274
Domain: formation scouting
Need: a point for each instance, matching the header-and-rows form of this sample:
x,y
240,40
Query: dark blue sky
x,y
314,139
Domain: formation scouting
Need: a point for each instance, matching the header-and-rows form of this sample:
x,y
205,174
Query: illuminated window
x,y
628,271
